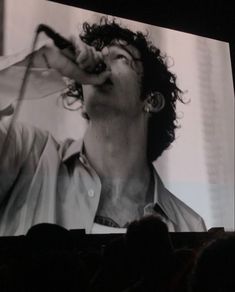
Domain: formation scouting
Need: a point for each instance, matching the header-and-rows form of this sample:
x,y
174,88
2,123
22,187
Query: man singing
x,y
107,180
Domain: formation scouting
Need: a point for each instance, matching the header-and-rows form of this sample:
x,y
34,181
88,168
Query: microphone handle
x,y
59,41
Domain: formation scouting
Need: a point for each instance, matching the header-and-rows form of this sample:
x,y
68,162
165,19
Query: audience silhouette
x,y
215,267
144,259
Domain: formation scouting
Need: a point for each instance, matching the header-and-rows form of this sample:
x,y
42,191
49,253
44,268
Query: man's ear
x,y
154,103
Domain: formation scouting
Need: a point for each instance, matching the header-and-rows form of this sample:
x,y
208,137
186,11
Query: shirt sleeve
x,y
23,141
42,81
201,226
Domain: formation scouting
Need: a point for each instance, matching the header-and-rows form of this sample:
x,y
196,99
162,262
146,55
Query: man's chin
x,y
102,110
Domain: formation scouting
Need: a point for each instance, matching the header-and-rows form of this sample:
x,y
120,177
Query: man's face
x,y
119,94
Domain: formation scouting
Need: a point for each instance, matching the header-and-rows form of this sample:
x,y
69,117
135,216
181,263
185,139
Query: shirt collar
x,y
161,194
70,148
162,198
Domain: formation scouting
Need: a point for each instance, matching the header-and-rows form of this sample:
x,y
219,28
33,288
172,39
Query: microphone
x,y
62,44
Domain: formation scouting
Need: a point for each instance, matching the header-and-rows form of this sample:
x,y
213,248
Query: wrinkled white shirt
x,y
42,180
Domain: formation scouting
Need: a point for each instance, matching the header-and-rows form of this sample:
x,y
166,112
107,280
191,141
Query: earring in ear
x,y
154,98
146,108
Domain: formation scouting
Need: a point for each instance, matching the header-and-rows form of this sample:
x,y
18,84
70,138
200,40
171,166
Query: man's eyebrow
x,y
124,47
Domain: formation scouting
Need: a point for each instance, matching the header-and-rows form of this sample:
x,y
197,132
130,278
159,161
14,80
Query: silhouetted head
x,y
149,239
49,236
215,267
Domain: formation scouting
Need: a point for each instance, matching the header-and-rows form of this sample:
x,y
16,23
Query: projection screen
x,y
198,168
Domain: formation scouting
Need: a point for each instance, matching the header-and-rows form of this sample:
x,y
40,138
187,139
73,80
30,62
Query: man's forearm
x,y
42,81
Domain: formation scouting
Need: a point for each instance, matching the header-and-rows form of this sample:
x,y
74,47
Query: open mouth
x,y
108,81
106,84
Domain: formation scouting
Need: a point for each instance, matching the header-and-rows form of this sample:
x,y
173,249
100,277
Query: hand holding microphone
x,y
82,63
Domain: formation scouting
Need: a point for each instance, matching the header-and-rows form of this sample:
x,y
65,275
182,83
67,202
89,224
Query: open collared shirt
x,y
42,180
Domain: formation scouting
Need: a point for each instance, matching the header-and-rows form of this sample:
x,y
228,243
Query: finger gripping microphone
x,y
62,44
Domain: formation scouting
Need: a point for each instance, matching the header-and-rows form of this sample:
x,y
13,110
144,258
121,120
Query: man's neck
x,y
117,149
118,152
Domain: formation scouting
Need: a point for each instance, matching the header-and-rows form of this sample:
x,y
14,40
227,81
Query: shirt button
x,y
45,73
91,193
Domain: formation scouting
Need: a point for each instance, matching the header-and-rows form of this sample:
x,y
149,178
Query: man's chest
x,y
121,208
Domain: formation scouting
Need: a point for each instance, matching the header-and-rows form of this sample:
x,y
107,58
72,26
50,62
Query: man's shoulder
x,y
183,216
183,207
186,218
26,136
30,136
20,130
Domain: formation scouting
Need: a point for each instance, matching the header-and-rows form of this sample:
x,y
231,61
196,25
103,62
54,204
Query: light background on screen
x,y
199,166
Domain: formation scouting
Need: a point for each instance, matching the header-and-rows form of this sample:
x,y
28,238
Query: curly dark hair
x,y
156,77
